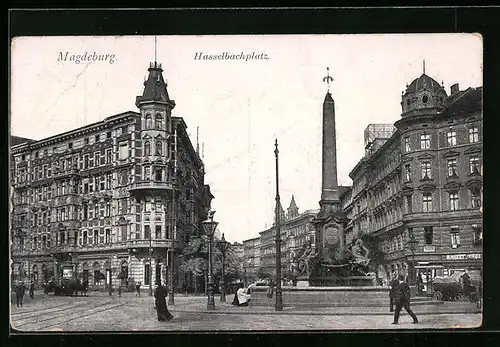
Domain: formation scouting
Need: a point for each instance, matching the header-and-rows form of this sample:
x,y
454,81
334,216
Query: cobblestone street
x,y
100,312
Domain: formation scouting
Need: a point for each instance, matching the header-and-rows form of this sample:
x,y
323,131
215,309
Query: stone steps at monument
x,y
335,298
334,304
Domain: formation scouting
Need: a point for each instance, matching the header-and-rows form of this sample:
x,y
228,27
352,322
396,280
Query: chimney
x,y
454,89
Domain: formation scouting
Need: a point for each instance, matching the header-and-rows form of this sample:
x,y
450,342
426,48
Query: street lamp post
x,y
279,299
412,243
223,246
209,227
171,252
150,270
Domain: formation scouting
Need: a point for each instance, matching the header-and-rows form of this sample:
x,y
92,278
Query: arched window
x,y
147,148
159,148
149,122
98,276
123,276
159,121
45,274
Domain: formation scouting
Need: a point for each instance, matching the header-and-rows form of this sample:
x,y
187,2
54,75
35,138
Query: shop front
x,y
426,271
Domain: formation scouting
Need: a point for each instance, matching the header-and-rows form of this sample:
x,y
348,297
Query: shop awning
x,y
429,267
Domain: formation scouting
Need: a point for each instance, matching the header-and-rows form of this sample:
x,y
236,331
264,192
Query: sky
x,y
241,106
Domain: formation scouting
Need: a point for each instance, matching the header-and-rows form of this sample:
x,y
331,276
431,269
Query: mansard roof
x,y
155,87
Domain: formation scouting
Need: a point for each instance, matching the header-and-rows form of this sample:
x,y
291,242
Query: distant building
x,y
423,181
100,201
296,229
251,258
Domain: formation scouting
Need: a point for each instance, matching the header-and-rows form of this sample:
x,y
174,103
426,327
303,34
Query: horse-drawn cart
x,y
65,287
454,288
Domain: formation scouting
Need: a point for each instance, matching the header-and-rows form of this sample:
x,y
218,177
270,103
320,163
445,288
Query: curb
x,y
309,313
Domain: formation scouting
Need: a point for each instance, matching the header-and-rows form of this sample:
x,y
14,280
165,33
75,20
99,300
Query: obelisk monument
x,y
330,221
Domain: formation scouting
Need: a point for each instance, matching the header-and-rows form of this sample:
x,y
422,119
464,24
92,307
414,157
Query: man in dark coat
x,y
138,289
20,290
466,281
32,290
402,298
392,289
235,300
161,304
85,286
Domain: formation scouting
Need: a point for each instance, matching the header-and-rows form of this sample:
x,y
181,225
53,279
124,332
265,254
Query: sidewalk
x,y
199,305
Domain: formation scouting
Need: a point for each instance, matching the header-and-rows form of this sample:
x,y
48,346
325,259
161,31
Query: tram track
x,y
84,315
42,316
16,314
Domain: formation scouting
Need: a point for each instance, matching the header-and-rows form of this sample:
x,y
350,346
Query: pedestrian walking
x,y
420,284
32,290
138,289
402,299
235,299
20,290
119,291
85,286
270,290
392,289
161,304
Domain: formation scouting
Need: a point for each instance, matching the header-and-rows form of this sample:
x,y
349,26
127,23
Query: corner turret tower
x,y
156,126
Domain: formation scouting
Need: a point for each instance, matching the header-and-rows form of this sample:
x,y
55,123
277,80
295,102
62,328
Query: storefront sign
x,y
429,249
463,256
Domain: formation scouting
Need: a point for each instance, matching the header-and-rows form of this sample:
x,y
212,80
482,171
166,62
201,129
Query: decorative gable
x,y
452,186
474,184
427,187
425,156
473,150
451,154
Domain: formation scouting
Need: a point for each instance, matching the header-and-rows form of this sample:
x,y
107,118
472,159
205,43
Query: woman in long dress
x,y
161,304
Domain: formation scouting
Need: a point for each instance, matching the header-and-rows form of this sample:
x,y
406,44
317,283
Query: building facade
x,y
419,189
251,259
105,202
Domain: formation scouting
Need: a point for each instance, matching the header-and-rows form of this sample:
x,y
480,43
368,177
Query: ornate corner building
x,y
109,200
421,181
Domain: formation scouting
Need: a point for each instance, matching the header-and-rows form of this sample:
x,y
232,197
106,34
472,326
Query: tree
x,y
194,258
265,273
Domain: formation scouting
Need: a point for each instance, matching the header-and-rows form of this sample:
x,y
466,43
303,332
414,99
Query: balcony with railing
x,y
61,173
150,185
